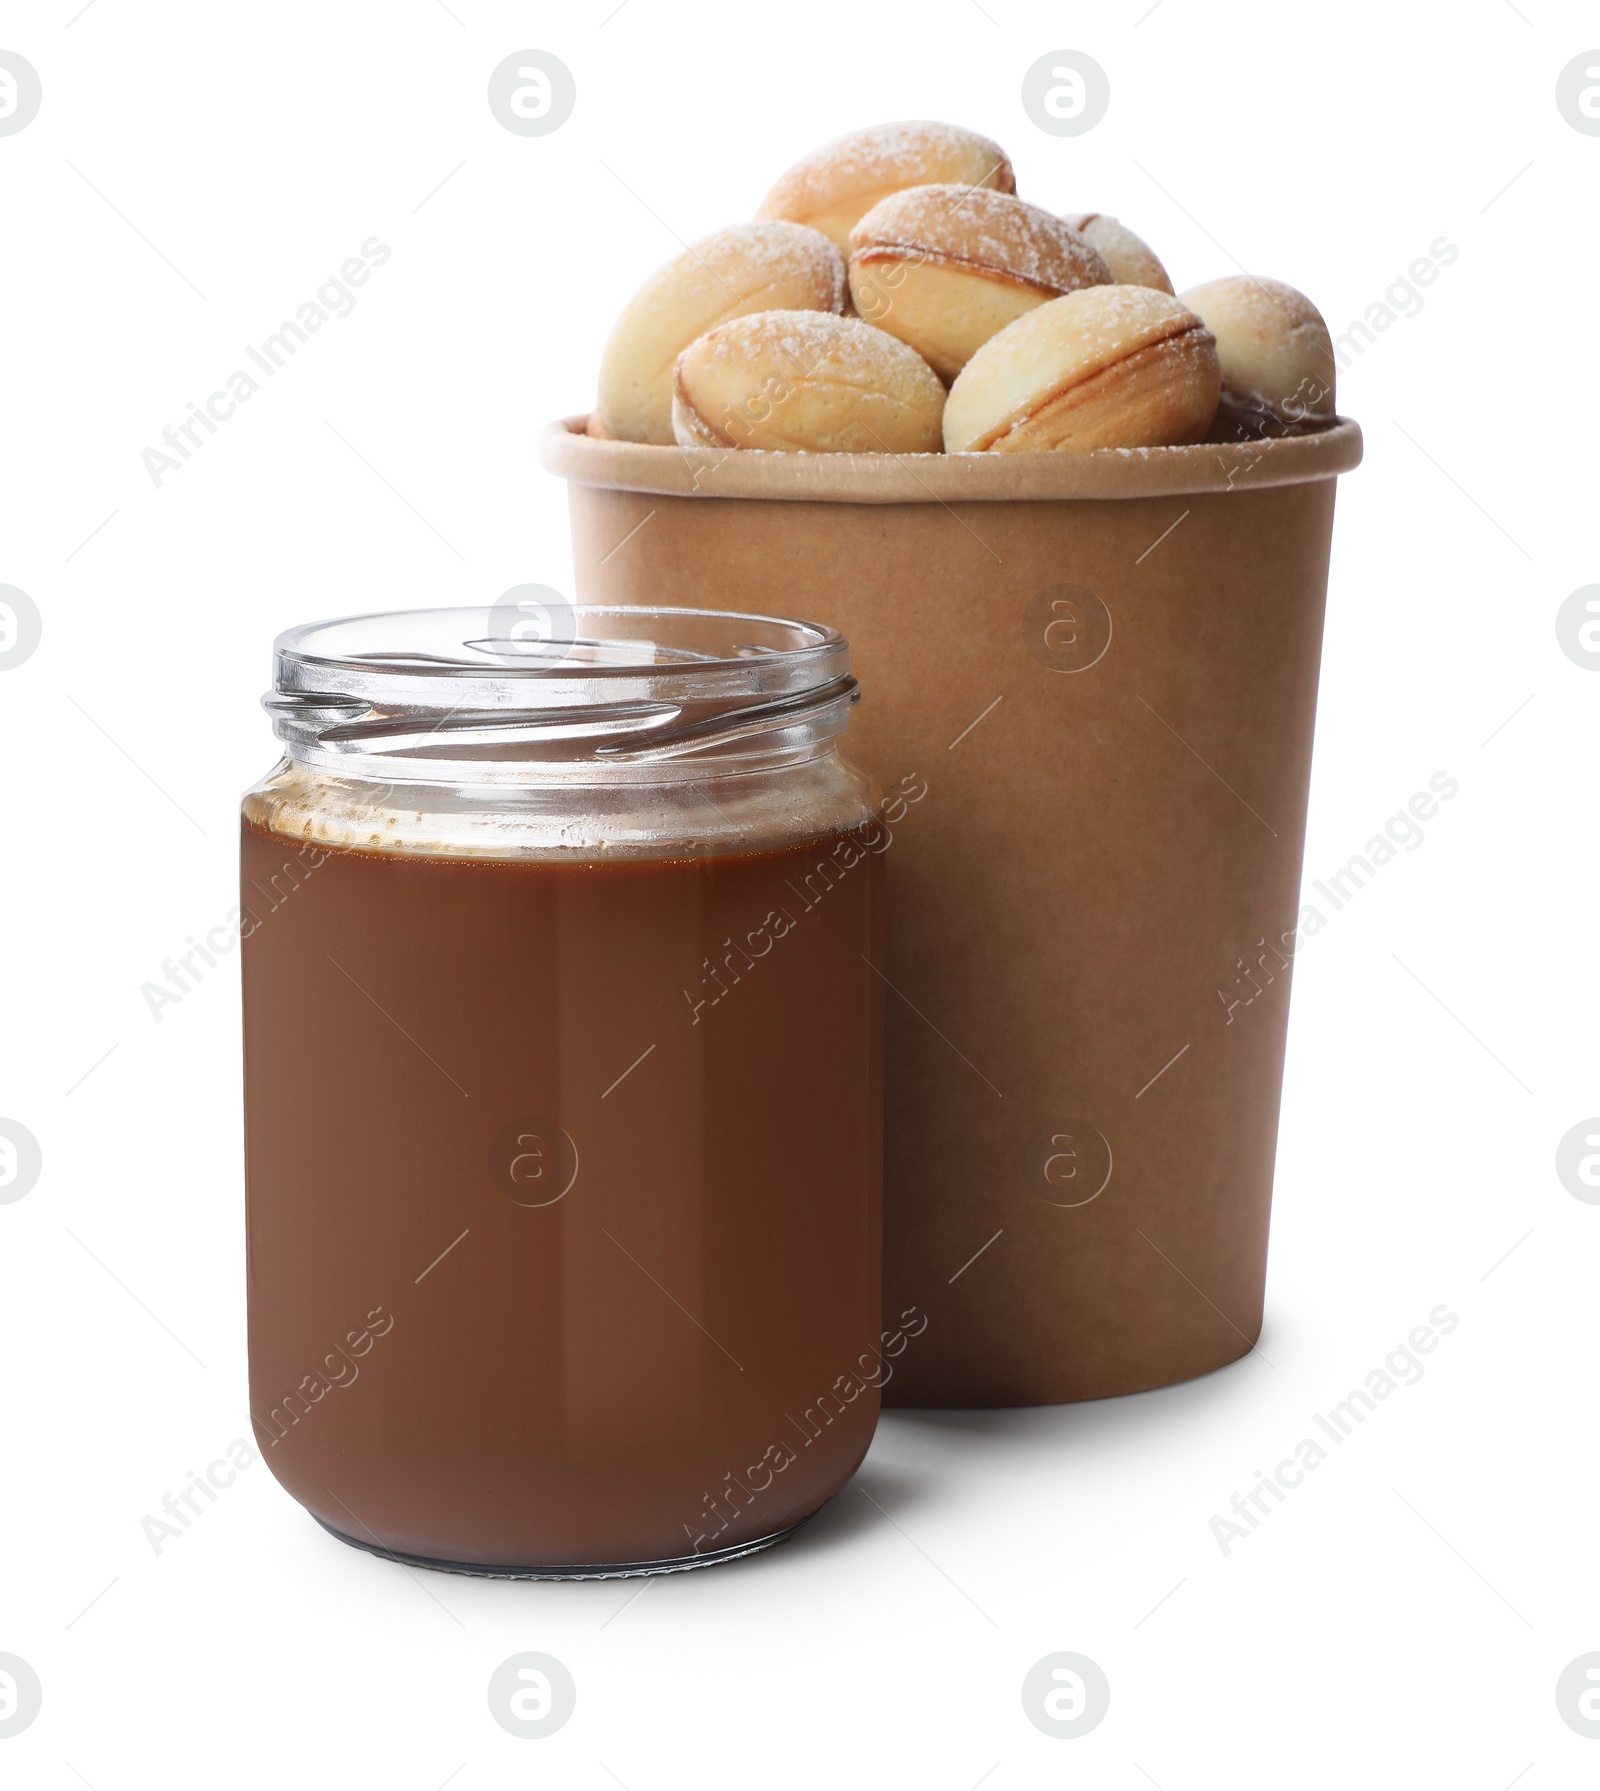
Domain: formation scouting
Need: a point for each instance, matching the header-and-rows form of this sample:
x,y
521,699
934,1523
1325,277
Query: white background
x,y
1403,1615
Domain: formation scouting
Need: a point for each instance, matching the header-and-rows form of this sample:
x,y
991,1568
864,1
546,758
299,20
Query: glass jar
x,y
563,1086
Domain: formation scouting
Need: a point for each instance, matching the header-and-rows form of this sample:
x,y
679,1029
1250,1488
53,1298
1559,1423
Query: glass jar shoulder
x,y
566,819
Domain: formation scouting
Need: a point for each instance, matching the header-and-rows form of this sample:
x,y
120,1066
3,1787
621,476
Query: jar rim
x,y
534,678
514,657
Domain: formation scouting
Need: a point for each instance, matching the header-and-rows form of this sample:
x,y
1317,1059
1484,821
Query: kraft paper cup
x,y
1088,686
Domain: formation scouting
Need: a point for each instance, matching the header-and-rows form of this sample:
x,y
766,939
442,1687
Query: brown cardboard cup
x,y
1088,684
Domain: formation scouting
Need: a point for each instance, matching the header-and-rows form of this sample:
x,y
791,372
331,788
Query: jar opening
x,y
508,692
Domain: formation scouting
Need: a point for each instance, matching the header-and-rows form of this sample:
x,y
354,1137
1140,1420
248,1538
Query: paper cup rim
x,y
566,450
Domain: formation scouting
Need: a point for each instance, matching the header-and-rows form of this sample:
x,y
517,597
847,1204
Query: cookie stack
x,y
894,295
